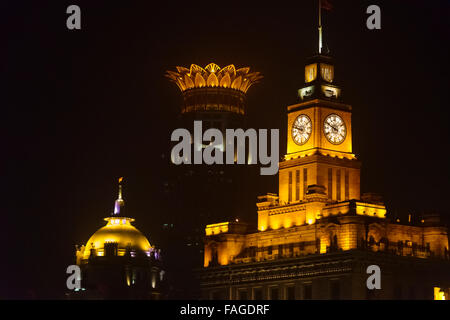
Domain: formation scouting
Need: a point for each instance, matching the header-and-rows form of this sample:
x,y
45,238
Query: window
x,y
347,185
400,247
412,293
398,292
370,294
291,248
335,290
269,250
307,291
290,293
280,250
297,185
310,72
217,295
257,294
290,187
338,184
330,183
274,293
334,242
305,180
214,256
242,295
426,293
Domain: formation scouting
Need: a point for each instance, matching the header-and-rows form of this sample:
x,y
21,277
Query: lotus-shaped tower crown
x,y
213,76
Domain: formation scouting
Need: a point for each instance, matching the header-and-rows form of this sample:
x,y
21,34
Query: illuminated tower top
x,y
213,88
319,71
319,80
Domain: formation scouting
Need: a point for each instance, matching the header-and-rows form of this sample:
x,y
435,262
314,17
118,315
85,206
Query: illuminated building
x,y
316,237
118,262
196,193
219,90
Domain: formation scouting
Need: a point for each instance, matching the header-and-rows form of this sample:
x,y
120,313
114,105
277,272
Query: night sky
x,y
82,108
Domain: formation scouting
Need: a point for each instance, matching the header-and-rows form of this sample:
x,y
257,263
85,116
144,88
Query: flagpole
x,y
320,26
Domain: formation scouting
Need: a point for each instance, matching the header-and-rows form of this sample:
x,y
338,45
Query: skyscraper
x,y
199,194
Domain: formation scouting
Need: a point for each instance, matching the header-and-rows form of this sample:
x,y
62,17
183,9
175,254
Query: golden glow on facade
x,y
308,212
319,207
316,236
318,142
439,294
372,210
216,228
213,76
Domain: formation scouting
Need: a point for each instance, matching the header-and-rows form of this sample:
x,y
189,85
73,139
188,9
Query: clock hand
x,y
332,127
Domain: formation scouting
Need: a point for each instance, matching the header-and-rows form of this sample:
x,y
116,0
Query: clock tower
x,y
318,233
319,158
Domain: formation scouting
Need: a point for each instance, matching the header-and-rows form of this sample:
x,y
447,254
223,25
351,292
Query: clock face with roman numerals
x,y
301,129
334,129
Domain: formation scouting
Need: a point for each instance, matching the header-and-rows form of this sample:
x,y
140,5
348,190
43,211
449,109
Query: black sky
x,y
81,108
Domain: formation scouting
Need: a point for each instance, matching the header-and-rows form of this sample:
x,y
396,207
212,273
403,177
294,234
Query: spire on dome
x,y
119,203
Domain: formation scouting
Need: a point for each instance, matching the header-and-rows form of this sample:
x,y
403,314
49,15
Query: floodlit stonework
x,y
316,237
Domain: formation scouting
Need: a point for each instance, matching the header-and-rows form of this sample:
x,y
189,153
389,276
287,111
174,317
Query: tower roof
x,y
213,76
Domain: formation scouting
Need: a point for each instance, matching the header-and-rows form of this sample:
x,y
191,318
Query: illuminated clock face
x,y
334,129
301,129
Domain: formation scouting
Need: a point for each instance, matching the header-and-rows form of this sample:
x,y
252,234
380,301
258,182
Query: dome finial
x,y
119,202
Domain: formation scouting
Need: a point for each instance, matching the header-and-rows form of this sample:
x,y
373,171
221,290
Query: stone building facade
x,y
317,236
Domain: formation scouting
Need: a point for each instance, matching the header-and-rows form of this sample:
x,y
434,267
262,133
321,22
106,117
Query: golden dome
x,y
119,230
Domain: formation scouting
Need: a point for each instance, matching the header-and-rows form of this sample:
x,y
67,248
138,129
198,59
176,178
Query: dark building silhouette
x,y
199,194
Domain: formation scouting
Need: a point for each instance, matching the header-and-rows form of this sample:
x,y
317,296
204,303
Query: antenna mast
x,y
320,26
